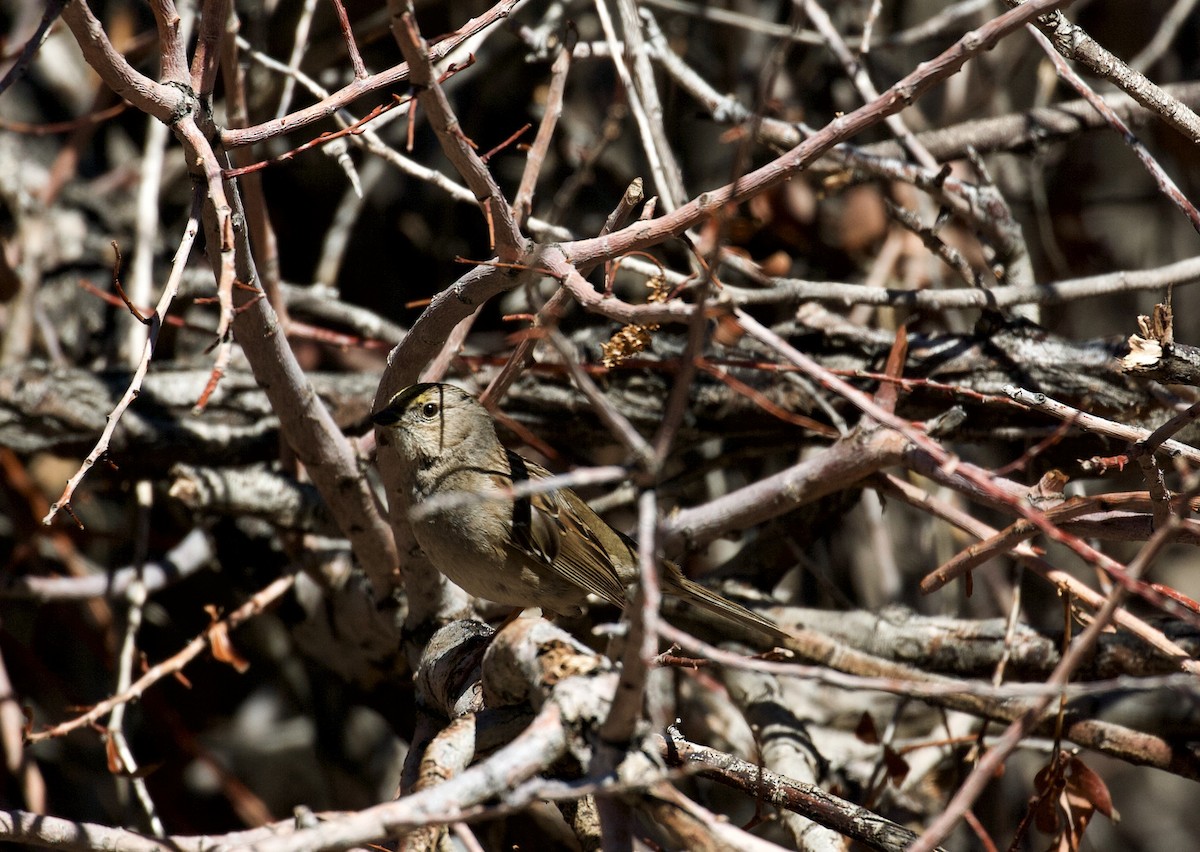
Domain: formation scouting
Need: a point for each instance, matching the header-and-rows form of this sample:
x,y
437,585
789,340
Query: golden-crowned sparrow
x,y
548,550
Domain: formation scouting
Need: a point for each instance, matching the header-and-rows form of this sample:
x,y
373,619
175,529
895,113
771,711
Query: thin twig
x,y
356,60
389,79
17,70
299,47
257,604
1164,181
131,393
523,201
862,81
900,95
1099,425
1073,42
994,758
510,245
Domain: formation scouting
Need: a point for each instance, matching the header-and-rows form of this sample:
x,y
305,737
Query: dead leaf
x,y
1083,781
223,650
897,766
866,730
113,756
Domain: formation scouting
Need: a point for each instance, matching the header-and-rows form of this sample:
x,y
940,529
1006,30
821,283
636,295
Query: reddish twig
x,y
895,487
116,279
506,235
993,759
740,387
510,140
257,604
982,480
1023,461
1099,425
551,312
49,16
328,136
160,100
53,127
236,138
206,58
356,60
977,554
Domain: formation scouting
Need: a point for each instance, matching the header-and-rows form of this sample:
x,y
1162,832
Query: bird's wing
x,y
547,527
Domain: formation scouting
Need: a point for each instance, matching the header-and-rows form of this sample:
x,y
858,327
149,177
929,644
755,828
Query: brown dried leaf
x,y
728,331
1084,782
897,766
117,765
866,730
633,339
889,392
1049,784
1046,815
624,344
777,264
223,650
113,757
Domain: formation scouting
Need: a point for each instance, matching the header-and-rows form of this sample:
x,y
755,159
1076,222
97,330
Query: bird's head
x,y
426,421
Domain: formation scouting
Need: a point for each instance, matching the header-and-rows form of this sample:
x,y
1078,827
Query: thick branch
x,y
165,102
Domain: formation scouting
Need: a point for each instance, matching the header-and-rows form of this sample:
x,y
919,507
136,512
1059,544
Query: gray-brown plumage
x,y
548,550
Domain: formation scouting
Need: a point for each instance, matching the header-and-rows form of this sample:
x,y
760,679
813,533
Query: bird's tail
x,y
723,608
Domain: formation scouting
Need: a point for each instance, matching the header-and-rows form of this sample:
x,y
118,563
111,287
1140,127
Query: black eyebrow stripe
x,y
397,405
522,510
441,404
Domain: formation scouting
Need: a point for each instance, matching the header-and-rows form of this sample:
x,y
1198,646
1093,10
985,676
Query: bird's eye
x,y
430,409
